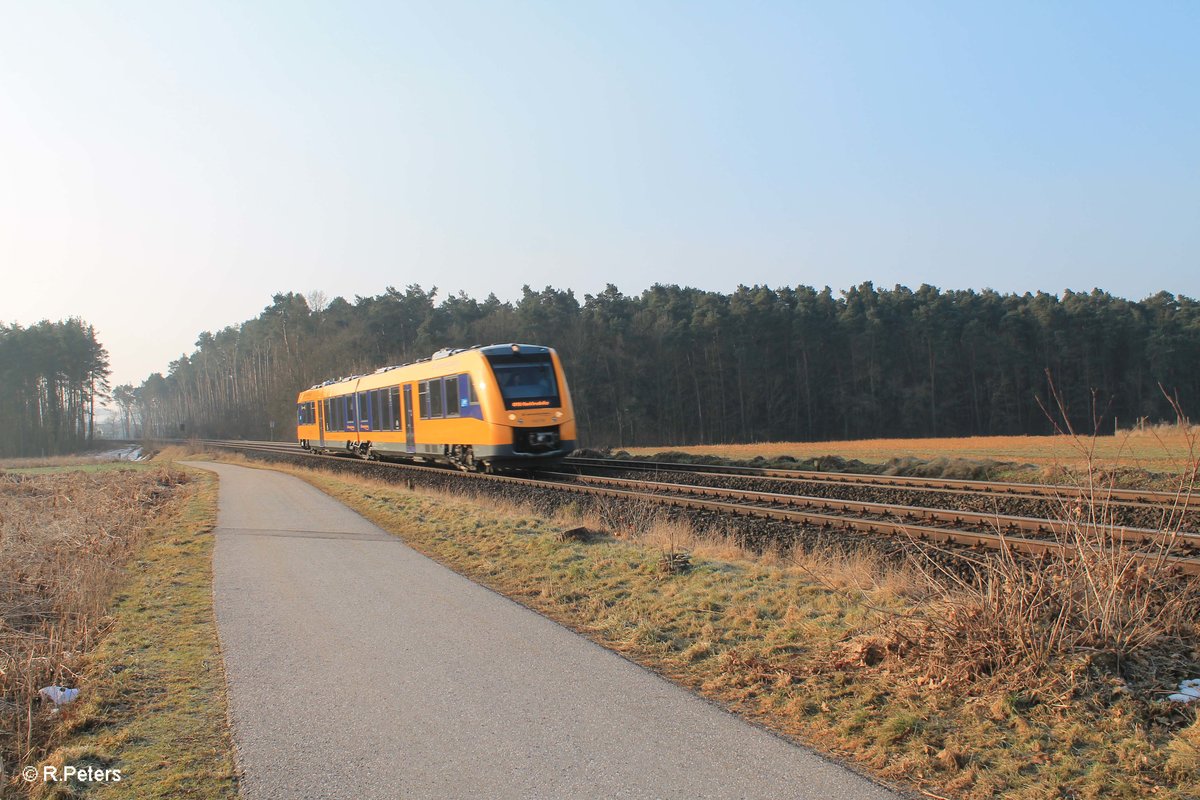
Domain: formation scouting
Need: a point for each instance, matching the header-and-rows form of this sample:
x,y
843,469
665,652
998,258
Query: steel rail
x,y
919,533
1135,498
995,521
1153,498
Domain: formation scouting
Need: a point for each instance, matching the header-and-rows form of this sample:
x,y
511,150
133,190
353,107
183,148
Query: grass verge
x,y
809,648
152,700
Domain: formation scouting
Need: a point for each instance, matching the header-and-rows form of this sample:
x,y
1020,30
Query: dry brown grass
x,y
65,541
53,461
863,572
1095,602
1018,621
1158,449
179,452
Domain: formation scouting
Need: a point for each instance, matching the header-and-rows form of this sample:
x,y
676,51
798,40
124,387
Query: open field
x,y
96,459
868,660
139,644
1165,450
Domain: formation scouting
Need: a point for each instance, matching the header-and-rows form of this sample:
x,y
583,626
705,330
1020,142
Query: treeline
x,y
680,366
51,375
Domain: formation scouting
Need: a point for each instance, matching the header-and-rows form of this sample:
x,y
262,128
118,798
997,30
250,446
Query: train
x,y
479,408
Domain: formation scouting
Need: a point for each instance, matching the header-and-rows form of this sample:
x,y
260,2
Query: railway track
x,y
1150,510
916,523
1131,497
1004,523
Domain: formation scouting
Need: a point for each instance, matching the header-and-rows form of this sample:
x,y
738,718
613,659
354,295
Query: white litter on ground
x,y
58,694
1188,691
131,453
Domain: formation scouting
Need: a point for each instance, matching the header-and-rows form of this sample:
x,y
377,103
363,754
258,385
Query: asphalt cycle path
x,y
359,668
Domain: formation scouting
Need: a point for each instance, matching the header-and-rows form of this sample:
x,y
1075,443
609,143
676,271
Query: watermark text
x,y
52,774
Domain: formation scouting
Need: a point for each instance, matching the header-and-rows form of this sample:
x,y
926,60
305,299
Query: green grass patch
x,y
98,466
152,701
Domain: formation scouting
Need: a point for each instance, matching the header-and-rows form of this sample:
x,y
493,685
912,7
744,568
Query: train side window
x,y
423,394
472,398
377,403
325,408
436,404
364,409
394,404
451,385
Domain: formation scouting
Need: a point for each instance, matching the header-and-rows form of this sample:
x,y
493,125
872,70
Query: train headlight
x,y
512,417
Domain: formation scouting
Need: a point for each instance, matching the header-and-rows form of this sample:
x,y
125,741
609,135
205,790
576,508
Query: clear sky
x,y
166,167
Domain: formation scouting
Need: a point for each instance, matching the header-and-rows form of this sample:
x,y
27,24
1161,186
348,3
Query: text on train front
x,y
525,381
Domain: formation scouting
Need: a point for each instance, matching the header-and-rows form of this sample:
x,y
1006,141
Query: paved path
x,y
358,668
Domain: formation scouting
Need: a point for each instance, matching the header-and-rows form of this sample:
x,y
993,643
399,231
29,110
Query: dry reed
x,y
66,539
1096,606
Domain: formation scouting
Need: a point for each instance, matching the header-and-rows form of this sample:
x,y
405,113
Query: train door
x,y
410,440
321,421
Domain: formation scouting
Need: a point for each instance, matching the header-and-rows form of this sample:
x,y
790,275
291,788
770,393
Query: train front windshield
x,y
525,381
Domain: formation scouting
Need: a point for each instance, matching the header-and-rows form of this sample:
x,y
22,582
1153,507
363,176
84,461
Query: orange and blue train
x,y
478,408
